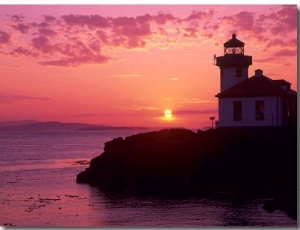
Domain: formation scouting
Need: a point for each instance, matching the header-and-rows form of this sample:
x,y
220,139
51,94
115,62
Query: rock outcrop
x,y
239,160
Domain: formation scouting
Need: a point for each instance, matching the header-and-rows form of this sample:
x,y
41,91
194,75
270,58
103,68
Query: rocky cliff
x,y
239,160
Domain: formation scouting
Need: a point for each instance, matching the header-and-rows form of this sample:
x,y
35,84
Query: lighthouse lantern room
x,y
234,64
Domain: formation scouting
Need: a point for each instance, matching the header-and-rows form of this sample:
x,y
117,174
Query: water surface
x,y
38,189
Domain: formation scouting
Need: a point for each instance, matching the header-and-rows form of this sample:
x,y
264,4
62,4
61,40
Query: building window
x,y
259,110
239,72
237,110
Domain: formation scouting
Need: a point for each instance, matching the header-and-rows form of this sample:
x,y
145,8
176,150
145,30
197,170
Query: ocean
x,y
38,189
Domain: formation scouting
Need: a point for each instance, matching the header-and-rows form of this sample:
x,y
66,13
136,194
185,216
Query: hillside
x,y
16,123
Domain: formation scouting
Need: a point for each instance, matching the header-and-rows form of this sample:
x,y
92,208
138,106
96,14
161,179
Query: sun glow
x,y
168,113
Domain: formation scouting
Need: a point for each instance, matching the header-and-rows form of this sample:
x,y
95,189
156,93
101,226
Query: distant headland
x,y
33,126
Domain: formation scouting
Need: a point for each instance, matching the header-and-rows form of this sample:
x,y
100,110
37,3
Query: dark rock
x,y
270,206
239,160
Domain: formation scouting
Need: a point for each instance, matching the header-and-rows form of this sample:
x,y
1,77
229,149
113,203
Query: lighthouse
x,y
254,101
234,64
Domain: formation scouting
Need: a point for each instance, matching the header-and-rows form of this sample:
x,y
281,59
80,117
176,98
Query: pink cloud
x,y
42,43
95,46
92,21
43,25
4,37
190,32
214,27
21,27
144,18
47,32
273,60
124,21
282,21
17,18
22,51
76,61
49,18
286,53
186,112
288,15
244,20
200,15
103,36
162,18
5,98
281,43
118,41
134,42
241,21
258,26
79,39
133,29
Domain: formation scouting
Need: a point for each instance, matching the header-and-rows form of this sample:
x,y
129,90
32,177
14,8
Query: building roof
x,y
258,86
234,42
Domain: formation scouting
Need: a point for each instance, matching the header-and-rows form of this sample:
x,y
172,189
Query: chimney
x,y
258,73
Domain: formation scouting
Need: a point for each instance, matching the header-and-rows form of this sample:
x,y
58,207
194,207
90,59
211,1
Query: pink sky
x,y
125,64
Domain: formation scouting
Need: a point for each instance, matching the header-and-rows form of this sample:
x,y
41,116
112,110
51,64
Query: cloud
x,y
190,32
171,78
25,52
91,21
287,15
162,18
132,75
72,40
143,109
47,32
274,60
49,18
11,98
95,46
146,18
200,15
43,25
257,27
281,43
134,29
76,61
103,36
189,112
21,27
193,100
4,37
130,32
17,18
269,60
87,115
286,53
42,43
242,21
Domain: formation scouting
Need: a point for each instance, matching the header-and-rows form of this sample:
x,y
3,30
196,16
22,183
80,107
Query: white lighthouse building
x,y
254,101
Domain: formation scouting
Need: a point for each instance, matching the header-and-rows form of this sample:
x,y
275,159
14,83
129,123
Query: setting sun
x,y
168,113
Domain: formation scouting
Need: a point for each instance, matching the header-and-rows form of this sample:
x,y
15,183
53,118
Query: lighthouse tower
x,y
234,64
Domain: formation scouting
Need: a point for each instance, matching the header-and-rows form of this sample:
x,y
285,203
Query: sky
x,y
124,65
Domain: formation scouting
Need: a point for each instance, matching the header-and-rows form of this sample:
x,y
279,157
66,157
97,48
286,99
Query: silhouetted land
x,y
178,161
36,126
